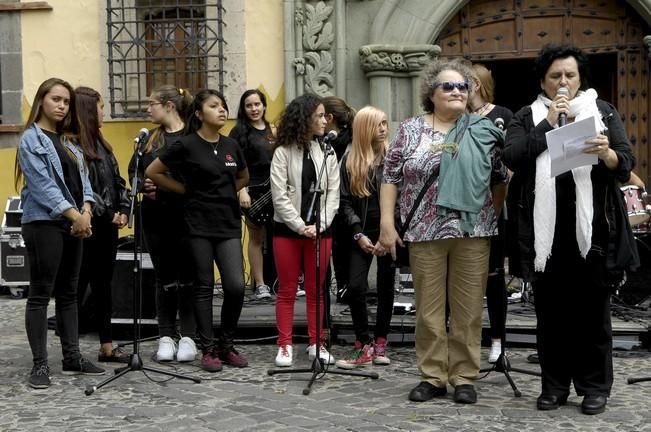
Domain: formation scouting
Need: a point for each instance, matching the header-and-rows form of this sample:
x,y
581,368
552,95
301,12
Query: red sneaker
x,y
210,361
231,357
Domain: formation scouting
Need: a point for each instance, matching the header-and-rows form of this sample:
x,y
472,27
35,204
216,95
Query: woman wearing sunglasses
x,y
445,167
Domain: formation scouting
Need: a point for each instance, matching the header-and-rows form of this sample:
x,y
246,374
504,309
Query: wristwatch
x,y
358,236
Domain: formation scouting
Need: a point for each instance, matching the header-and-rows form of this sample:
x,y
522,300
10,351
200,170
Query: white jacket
x,y
286,187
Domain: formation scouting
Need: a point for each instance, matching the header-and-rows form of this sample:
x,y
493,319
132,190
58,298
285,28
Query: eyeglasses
x,y
449,86
152,103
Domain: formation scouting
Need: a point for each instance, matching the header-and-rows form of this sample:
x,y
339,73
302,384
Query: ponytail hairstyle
x,y
89,130
294,126
243,127
342,114
68,127
364,150
193,123
181,99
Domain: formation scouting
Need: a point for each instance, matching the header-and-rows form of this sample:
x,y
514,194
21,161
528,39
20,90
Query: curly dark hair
x,y
294,126
430,74
551,52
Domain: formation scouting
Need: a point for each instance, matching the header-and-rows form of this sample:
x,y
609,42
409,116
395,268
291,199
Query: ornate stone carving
x,y
647,42
318,36
397,58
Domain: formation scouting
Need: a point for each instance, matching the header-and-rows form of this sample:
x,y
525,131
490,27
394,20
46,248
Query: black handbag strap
x,y
428,183
405,225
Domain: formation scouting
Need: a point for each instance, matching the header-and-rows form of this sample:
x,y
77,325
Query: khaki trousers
x,y
452,270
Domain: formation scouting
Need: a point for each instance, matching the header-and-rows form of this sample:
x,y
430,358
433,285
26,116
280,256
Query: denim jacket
x,y
45,195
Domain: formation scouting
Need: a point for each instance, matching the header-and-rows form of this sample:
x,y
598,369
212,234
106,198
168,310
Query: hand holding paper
x,y
574,145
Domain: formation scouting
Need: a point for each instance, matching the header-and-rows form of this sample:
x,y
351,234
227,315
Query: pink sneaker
x,y
361,356
380,352
231,357
210,361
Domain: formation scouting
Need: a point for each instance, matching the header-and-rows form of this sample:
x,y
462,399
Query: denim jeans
x,y
54,263
227,253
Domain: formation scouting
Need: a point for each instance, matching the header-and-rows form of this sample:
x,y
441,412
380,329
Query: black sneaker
x,y
39,377
80,366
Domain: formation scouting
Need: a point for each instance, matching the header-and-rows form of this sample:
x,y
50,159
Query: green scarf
x,y
465,175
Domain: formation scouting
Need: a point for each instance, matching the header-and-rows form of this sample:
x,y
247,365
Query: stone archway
x,y
404,29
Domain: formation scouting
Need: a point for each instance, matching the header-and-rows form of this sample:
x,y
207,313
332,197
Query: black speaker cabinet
x,y
123,287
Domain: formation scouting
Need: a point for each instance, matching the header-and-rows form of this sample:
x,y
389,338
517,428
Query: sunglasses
x,y
449,86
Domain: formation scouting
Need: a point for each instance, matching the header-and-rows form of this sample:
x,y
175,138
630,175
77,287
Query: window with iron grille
x,y
156,42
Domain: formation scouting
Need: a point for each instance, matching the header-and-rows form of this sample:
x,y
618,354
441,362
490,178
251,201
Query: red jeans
x,y
293,255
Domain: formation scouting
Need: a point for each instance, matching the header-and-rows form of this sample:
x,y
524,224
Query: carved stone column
x,y
647,42
394,76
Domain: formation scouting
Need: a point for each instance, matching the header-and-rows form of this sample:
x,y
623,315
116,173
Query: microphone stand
x,y
318,367
135,361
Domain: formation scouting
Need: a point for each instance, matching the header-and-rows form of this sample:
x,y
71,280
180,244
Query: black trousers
x,y
173,267
495,285
96,275
227,253
54,261
574,333
359,265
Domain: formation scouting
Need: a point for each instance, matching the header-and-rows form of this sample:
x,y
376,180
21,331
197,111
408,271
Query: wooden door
x,y
510,32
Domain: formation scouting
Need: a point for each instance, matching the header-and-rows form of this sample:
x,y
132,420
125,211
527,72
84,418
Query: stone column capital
x,y
396,59
647,42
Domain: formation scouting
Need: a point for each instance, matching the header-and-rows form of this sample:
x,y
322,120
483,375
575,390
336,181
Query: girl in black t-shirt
x,y
214,170
255,136
162,221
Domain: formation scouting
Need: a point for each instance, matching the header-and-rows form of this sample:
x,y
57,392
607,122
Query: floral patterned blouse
x,y
411,158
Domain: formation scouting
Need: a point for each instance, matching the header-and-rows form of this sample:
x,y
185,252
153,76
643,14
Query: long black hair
x,y
243,127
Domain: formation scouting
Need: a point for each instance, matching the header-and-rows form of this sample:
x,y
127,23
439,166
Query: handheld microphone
x,y
562,117
331,136
499,122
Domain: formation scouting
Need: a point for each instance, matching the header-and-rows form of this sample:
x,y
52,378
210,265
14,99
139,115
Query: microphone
x,y
562,117
140,139
331,136
499,122
142,135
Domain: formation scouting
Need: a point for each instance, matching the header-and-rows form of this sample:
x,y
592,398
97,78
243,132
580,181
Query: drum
x,y
638,211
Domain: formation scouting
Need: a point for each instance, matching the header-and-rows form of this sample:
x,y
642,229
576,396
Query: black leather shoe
x,y
465,394
594,404
425,391
547,402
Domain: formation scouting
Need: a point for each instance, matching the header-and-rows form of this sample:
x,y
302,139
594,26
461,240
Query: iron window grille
x,y
156,42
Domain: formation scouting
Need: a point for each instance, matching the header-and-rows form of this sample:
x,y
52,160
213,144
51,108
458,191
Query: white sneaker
x,y
262,292
496,350
166,349
323,354
285,356
300,292
187,350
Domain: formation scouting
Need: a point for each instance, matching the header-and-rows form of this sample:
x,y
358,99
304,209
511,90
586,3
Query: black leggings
x,y
360,263
54,261
97,267
170,255
227,253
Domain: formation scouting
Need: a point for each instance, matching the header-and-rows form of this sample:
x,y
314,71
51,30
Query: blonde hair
x,y
364,150
485,78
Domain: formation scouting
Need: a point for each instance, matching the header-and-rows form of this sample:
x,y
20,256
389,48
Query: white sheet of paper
x,y
566,145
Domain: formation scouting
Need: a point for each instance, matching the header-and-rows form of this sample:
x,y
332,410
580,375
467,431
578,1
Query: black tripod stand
x,y
502,364
318,367
135,361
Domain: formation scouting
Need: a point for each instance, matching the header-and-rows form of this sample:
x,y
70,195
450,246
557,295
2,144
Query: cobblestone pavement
x,y
250,400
